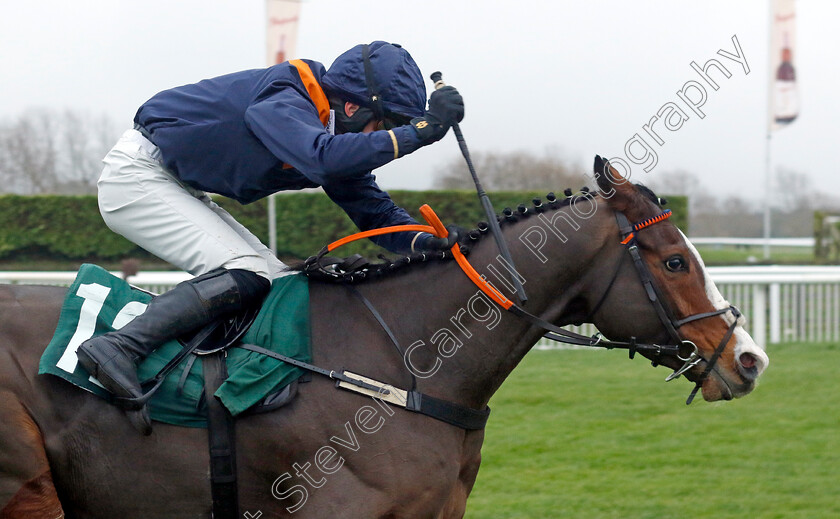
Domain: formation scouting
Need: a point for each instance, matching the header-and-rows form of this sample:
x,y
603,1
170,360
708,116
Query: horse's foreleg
x,y
456,504
26,486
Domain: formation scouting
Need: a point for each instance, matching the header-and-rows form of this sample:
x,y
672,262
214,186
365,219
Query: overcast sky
x,y
577,77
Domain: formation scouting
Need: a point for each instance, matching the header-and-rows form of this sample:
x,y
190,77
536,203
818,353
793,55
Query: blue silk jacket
x,y
249,134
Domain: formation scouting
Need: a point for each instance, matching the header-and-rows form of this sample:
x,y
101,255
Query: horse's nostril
x,y
747,360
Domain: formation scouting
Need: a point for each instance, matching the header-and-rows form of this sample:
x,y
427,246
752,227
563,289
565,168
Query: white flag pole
x,y
281,23
768,179
782,94
768,167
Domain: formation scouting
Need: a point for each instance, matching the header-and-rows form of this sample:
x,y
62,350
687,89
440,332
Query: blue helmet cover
x,y
398,79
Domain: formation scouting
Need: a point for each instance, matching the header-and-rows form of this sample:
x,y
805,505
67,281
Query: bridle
x,y
683,350
672,325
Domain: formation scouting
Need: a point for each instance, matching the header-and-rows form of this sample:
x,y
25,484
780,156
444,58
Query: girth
x,y
221,436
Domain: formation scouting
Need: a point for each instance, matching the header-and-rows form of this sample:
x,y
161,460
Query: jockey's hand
x,y
446,107
433,243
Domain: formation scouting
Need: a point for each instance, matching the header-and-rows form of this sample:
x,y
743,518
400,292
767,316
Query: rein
x,y
667,318
684,350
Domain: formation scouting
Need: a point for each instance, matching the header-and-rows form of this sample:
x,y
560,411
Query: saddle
x,y
210,345
103,299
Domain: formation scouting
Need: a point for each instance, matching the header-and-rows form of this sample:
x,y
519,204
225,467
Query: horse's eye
x,y
676,264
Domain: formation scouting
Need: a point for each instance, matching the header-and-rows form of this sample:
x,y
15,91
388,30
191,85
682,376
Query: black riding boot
x,y
113,357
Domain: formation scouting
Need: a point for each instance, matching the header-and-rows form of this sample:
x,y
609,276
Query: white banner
x,y
784,96
282,18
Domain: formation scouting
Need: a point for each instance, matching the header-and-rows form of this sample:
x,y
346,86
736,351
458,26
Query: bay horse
x,y
333,453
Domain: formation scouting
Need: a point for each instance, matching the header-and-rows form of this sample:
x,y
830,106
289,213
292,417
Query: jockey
x,y
247,135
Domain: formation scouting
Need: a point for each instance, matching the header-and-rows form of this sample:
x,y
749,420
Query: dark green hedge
x,y
70,228
64,227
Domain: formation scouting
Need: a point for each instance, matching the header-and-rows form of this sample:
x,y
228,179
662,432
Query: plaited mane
x,y
365,270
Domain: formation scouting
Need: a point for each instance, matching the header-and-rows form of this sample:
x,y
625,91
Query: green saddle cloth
x,y
98,302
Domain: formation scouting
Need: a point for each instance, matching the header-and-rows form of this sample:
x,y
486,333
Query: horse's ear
x,y
614,187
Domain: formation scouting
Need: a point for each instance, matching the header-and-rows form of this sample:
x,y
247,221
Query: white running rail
x,y
781,303
156,282
755,242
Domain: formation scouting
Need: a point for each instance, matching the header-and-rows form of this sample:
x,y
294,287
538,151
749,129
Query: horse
x,y
335,453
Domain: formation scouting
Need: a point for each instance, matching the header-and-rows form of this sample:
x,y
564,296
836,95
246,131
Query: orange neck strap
x,y
430,216
377,232
436,228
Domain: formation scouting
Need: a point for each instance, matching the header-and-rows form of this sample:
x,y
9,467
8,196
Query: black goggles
x,y
365,115
392,120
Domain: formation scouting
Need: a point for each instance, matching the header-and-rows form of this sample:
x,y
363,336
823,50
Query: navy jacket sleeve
x,y
285,120
371,208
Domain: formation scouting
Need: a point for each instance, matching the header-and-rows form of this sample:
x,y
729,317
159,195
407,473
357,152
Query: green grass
x,y
728,255
590,434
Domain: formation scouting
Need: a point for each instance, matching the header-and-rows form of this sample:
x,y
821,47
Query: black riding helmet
x,y
383,79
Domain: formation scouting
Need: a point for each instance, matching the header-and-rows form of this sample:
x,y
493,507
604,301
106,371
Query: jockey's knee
x,y
253,286
250,262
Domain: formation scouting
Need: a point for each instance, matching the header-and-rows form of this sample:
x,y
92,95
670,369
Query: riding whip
x,y
437,77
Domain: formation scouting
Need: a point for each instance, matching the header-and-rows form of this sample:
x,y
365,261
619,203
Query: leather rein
x,y
682,349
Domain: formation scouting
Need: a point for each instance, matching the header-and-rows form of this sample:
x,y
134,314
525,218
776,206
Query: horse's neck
x,y
466,345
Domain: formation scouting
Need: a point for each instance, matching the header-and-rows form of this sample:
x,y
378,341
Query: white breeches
x,y
141,200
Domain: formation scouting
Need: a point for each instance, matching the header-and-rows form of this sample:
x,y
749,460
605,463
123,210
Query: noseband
x,y
684,350
628,232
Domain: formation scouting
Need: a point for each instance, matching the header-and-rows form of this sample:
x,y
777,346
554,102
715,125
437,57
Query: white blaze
x,y
743,342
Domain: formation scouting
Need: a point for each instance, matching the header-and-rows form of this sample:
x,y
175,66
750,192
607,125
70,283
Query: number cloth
x,y
98,302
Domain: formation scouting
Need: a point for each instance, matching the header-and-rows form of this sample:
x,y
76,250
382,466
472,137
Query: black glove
x,y
446,107
433,243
